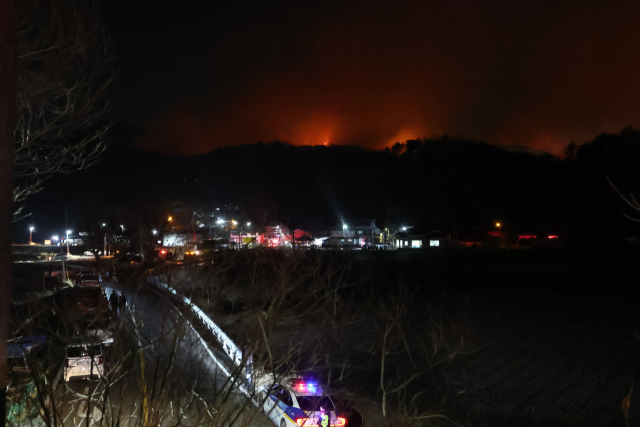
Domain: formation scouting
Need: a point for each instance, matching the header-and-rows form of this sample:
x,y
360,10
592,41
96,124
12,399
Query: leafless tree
x,y
63,70
8,49
297,312
631,201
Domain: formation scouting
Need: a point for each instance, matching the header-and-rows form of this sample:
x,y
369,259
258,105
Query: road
x,y
160,372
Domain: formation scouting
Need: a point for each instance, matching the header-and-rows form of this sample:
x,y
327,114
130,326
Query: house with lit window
x,y
362,231
413,238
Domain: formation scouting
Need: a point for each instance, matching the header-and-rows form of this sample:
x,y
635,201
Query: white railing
x,y
228,345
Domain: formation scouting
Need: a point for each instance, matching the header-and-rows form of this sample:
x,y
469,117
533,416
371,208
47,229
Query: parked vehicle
x,y
91,301
19,349
96,329
83,360
87,279
299,403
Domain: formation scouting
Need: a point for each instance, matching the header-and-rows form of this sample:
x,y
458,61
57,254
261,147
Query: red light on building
x,y
494,233
552,236
527,237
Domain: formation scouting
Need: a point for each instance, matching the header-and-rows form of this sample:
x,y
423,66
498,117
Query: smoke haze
x,y
539,74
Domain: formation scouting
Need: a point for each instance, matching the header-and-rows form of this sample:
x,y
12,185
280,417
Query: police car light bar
x,y
304,387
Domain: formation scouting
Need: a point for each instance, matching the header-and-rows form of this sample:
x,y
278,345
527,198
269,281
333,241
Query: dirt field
x,y
550,359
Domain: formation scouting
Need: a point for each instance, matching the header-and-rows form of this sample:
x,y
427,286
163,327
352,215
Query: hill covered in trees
x,y
434,182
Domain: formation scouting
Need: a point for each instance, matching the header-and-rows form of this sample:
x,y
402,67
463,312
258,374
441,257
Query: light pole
x,y
344,228
234,223
68,232
104,251
30,234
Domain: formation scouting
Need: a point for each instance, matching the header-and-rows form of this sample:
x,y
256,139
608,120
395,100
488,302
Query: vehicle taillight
x,y
340,422
99,362
301,421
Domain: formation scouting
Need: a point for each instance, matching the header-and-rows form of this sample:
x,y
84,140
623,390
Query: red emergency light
x,y
552,236
527,237
304,387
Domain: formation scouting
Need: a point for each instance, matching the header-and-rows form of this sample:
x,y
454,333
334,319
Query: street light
x,y
30,234
170,219
154,232
404,228
498,224
68,232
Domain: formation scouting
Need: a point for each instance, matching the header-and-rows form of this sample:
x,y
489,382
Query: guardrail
x,y
229,347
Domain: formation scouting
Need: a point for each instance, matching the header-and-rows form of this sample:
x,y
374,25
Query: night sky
x,y
198,75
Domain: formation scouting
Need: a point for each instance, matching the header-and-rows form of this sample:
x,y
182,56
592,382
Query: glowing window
x,y
416,243
434,242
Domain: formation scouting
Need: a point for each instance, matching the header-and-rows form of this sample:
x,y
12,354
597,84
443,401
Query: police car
x,y
300,403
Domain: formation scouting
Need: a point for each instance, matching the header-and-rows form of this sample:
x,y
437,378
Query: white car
x,y
83,361
299,403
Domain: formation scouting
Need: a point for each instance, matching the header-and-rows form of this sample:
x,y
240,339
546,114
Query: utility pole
x,y
66,221
64,270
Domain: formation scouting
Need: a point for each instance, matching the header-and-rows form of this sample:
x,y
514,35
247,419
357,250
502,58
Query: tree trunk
x,y
8,53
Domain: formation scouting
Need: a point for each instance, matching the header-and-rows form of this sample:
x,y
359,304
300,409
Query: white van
x,y
83,360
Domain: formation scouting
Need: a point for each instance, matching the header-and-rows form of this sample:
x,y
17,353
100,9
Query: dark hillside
x,y
436,181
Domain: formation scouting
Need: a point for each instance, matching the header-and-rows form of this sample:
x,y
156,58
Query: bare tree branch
x,y
63,71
